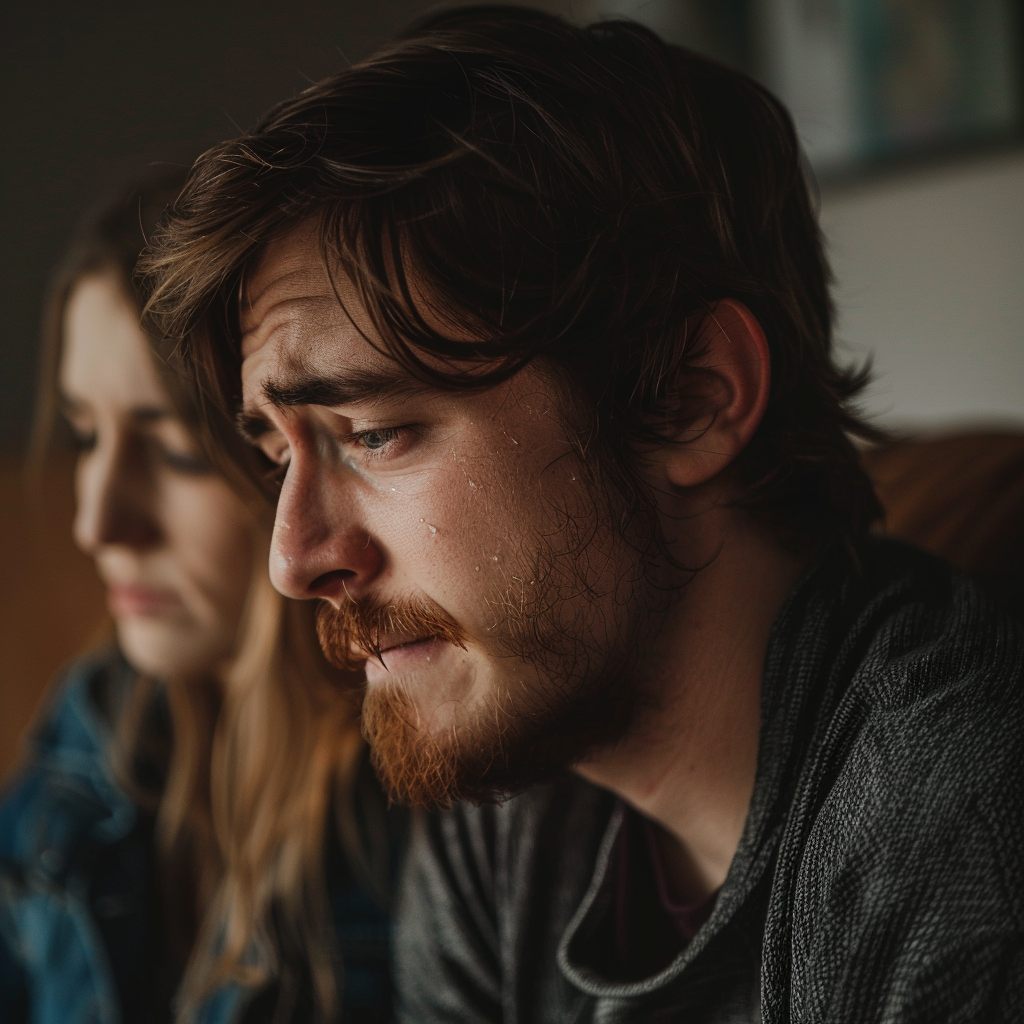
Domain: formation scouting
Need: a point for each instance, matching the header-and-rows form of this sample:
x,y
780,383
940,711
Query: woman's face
x,y
173,543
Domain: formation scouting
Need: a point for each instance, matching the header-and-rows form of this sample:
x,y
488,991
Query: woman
x,y
194,835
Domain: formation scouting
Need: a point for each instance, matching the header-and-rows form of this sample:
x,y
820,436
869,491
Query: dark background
x,y
95,93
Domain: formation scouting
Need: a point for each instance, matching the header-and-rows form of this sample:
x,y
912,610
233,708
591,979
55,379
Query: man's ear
x,y
734,371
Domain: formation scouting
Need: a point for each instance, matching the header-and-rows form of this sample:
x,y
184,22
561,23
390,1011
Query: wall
x,y
930,275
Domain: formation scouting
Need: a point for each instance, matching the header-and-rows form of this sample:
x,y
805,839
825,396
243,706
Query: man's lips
x,y
402,653
129,599
392,642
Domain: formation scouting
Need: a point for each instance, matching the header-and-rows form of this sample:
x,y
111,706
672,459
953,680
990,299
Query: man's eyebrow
x,y
302,387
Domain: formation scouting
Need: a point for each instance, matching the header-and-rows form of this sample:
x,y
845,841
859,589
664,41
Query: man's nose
x,y
320,546
111,501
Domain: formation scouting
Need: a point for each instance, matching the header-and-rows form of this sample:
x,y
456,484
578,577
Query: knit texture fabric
x,y
880,876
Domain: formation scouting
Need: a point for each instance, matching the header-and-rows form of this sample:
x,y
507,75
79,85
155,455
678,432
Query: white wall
x,y
930,279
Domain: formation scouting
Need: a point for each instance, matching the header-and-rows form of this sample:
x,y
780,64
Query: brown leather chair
x,y
962,496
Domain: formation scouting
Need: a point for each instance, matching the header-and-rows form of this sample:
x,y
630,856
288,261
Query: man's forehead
x,y
299,344
289,268
305,338
290,296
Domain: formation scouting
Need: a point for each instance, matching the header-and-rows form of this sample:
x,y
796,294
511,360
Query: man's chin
x,y
414,768
475,749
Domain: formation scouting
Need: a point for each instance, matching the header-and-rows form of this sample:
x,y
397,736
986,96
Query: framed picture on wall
x,y
869,81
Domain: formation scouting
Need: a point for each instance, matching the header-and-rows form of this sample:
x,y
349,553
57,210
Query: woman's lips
x,y
133,600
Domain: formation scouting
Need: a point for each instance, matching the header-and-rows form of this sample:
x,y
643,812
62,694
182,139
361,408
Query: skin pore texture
x,y
172,542
478,505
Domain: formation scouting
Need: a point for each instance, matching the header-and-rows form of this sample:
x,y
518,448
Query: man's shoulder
x,y
889,631
902,845
940,665
918,677
919,782
935,759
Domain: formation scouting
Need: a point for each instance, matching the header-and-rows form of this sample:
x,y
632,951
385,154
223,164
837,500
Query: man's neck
x,y
690,759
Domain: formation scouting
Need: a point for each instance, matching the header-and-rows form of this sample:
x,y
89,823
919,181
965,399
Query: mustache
x,y
355,631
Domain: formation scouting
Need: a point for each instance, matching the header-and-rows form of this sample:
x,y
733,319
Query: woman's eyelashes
x,y
84,440
186,463
273,472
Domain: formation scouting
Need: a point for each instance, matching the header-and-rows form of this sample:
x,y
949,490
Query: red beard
x,y
503,746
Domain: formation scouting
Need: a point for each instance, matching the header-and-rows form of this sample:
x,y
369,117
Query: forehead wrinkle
x,y
294,254
295,281
298,320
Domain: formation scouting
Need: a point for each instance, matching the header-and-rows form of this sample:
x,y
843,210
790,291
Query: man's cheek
x,y
467,514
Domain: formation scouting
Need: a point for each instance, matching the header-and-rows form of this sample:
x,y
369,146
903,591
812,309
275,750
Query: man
x,y
532,325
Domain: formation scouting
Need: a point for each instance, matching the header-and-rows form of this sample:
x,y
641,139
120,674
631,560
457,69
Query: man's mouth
x,y
400,652
390,642
396,642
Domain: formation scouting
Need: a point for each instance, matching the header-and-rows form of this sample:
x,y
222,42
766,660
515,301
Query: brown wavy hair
x,y
584,195
262,758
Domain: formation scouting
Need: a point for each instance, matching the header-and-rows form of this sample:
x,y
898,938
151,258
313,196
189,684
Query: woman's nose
x,y
320,547
112,501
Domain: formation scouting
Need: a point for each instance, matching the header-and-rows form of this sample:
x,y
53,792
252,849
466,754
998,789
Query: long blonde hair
x,y
263,755
247,801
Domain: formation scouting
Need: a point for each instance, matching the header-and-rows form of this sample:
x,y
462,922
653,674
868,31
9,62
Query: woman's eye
x,y
81,440
275,473
184,462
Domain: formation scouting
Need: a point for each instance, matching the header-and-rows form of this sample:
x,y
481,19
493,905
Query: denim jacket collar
x,y
78,805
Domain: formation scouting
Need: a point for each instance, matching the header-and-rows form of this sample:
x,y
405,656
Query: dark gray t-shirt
x,y
880,876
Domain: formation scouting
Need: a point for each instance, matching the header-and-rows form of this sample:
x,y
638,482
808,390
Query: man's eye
x,y
276,474
374,440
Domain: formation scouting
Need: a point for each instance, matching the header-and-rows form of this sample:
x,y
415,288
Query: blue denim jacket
x,y
78,916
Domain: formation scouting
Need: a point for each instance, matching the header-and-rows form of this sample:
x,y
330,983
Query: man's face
x,y
457,539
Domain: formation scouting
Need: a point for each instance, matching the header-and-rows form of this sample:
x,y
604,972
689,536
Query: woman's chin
x,y
167,649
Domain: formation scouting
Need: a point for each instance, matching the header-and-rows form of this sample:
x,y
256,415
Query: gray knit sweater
x,y
880,876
